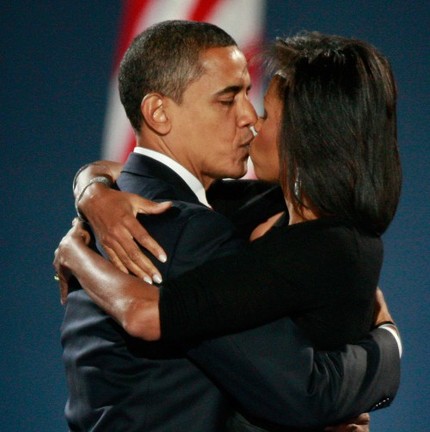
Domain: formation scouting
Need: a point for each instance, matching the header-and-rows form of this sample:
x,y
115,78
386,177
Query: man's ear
x,y
153,108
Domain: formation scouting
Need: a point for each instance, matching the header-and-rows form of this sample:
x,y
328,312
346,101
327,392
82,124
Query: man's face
x,y
210,127
264,147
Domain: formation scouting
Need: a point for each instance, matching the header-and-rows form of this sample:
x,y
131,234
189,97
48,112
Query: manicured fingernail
x,y
147,279
157,279
162,258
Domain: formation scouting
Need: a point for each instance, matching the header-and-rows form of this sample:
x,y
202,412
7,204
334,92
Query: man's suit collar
x,y
145,166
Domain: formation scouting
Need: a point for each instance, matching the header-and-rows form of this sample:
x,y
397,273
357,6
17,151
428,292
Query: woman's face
x,y
264,147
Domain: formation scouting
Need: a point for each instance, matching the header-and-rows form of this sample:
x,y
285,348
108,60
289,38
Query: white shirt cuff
x,y
389,328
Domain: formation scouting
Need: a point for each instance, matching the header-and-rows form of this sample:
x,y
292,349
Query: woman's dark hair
x,y
338,137
165,58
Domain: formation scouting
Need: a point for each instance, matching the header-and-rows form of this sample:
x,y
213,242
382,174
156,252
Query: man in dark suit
x,y
185,90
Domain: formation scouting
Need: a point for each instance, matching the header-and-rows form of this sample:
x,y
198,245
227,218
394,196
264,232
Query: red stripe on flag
x,y
133,10
128,146
202,9
252,53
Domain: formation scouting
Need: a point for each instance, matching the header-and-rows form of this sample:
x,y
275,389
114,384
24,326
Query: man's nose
x,y
248,115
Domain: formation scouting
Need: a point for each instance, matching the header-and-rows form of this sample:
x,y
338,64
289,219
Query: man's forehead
x,y
224,60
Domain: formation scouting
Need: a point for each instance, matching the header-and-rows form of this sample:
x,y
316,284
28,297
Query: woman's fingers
x,y
125,253
62,273
145,206
144,239
113,218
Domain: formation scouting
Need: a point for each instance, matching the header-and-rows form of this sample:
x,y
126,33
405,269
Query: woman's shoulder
x,y
329,240
329,228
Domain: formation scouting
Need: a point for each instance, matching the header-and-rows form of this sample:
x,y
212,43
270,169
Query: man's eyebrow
x,y
234,89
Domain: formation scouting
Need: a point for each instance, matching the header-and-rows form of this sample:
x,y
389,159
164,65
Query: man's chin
x,y
239,173
232,172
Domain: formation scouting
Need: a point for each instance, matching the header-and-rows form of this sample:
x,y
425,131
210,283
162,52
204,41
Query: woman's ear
x,y
153,108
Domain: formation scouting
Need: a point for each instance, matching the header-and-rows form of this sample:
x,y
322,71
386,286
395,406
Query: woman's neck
x,y
305,214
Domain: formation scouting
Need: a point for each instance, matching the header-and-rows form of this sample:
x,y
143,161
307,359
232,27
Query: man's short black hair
x,y
165,58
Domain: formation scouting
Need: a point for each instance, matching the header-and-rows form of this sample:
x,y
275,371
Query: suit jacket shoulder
x,y
191,235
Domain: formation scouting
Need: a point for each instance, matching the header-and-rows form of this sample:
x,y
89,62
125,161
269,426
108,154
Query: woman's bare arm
x,y
129,300
112,215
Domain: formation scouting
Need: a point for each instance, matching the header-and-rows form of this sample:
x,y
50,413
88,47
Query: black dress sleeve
x,y
237,292
323,278
246,203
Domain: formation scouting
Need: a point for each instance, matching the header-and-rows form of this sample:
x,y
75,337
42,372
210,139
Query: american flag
x,y
242,19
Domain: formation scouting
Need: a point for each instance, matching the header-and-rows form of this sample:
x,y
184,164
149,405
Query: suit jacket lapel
x,y
158,177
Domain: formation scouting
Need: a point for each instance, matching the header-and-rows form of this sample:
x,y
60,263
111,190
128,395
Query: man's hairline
x,y
200,66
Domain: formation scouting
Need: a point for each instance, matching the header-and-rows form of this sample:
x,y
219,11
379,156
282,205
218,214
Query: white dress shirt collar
x,y
191,180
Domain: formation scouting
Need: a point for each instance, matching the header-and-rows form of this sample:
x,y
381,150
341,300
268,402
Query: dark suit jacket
x,y
120,383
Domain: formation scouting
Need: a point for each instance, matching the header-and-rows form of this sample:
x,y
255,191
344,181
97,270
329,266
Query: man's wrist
x,y
103,179
379,324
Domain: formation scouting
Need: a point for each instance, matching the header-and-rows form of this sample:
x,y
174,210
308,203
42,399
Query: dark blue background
x,y
56,58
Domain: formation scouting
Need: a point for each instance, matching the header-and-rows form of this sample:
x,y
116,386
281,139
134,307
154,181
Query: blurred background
x,y
57,63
